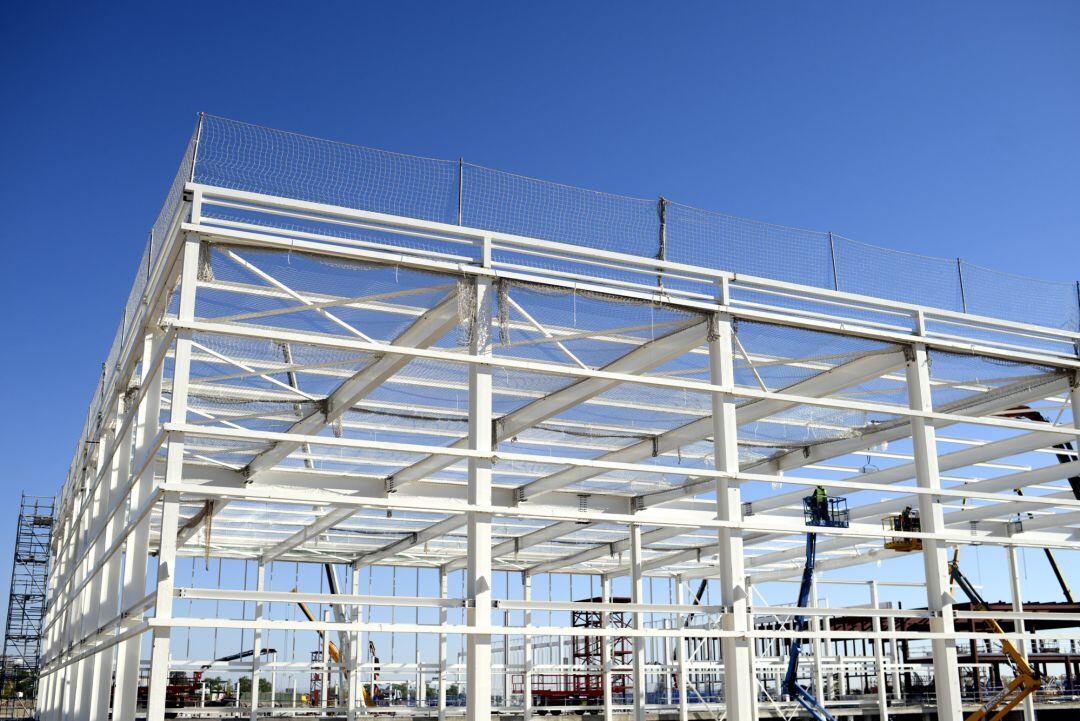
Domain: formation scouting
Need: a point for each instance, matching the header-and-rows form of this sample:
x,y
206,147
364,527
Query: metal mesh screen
x,y
248,157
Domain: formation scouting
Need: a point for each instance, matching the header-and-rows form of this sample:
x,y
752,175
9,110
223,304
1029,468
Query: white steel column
x,y
260,586
478,581
86,599
174,472
356,691
935,563
1028,704
879,657
527,651
818,645
738,668
636,596
607,645
443,618
136,554
898,689
324,670
110,574
680,651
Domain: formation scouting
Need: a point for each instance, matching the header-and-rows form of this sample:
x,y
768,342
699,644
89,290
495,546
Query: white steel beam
x,y
135,559
739,686
520,543
935,563
170,507
640,359
835,379
637,596
1028,706
1020,393
423,333
478,573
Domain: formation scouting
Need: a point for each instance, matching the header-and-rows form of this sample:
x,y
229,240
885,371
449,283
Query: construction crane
x,y
1026,680
818,510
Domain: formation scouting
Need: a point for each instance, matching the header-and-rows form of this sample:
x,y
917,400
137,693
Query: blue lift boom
x,y
831,512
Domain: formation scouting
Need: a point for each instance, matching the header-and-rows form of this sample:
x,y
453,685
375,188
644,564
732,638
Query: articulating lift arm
x,y
1026,679
791,682
335,655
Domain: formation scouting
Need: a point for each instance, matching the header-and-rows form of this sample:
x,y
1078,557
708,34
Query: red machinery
x,y
581,688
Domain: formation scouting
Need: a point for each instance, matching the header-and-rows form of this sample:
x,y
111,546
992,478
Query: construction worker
x,y
821,503
905,519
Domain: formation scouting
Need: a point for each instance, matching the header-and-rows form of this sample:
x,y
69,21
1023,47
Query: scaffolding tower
x,y
26,607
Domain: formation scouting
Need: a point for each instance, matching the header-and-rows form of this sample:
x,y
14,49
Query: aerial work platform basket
x,y
907,521
833,513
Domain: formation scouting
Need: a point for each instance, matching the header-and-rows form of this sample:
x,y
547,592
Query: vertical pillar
x,y
120,476
879,657
818,644
898,690
680,652
665,652
260,586
355,644
137,553
935,564
1028,705
324,670
637,596
442,645
527,652
478,581
87,598
174,471
754,712
607,646
738,670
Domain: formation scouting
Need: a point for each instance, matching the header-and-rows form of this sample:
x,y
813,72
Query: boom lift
x,y
1026,680
831,512
335,656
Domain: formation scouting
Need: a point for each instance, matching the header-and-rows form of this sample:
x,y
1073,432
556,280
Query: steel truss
x,y
447,424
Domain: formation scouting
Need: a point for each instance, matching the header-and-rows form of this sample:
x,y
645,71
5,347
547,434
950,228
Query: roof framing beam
x,y
849,374
423,332
644,357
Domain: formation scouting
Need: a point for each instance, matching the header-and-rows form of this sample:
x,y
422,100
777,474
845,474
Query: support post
x,y
637,596
103,681
356,692
738,669
136,556
527,652
443,618
680,652
478,660
894,647
879,657
935,563
324,672
260,585
607,645
1028,705
819,648
174,471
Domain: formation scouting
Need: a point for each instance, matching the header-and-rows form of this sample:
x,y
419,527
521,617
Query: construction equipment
x,y
818,510
335,656
1026,680
905,522
184,692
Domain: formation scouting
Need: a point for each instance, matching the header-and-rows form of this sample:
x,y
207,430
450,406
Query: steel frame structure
x,y
151,485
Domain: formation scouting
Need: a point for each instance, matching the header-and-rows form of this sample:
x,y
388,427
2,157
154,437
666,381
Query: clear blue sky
x,y
949,129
